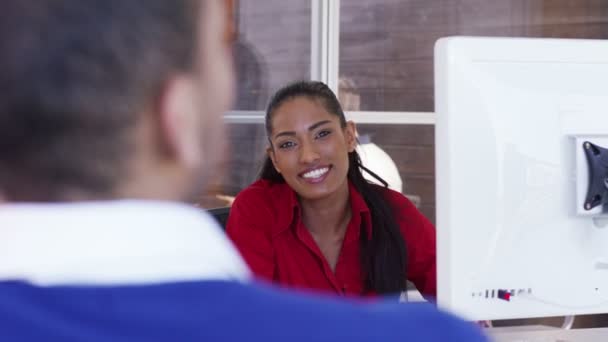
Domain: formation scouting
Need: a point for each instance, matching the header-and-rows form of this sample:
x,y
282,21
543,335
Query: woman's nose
x,y
308,153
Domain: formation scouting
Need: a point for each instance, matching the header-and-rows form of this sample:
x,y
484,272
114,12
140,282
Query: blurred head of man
x,y
103,99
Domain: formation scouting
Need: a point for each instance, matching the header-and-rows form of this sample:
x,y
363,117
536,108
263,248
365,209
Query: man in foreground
x,y
110,115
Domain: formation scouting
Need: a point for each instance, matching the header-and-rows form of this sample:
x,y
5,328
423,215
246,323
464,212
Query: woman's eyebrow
x,y
311,128
320,123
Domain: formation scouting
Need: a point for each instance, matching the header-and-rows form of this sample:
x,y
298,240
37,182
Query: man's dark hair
x,y
74,75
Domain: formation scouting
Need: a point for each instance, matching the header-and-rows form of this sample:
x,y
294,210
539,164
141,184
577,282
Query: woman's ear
x,y
350,133
270,153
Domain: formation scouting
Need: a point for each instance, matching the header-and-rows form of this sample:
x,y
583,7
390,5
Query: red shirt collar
x,y
289,213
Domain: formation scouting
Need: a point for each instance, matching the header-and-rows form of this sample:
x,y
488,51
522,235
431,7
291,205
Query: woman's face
x,y
309,148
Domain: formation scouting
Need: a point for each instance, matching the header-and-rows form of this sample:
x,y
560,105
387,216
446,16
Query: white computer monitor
x,y
511,176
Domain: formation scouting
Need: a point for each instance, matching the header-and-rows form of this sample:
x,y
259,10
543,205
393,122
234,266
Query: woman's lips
x,y
316,175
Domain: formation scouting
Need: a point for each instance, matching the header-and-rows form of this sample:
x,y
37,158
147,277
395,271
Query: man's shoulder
x,y
223,310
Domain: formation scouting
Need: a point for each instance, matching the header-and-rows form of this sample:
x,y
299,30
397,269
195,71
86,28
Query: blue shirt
x,y
154,271
212,311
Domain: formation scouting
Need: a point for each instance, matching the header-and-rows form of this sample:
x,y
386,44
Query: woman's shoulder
x,y
264,206
405,211
263,198
263,190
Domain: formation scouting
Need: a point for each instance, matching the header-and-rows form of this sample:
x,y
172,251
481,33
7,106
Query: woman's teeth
x,y
315,173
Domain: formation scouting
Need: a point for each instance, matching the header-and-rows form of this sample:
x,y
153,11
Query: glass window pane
x,y
386,46
272,48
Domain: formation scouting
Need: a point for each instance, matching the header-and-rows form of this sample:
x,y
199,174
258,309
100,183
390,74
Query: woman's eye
x,y
323,134
287,144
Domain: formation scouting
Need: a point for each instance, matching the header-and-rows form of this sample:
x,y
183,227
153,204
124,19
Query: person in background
x,y
313,221
110,119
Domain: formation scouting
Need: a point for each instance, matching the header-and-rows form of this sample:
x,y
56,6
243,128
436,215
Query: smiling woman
x,y
312,220
309,148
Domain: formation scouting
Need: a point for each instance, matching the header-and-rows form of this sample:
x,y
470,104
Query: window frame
x,y
325,67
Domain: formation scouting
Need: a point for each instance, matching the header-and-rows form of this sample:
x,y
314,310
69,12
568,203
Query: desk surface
x,y
547,334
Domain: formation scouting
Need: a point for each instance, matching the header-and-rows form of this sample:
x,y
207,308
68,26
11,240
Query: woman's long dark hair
x,y
383,257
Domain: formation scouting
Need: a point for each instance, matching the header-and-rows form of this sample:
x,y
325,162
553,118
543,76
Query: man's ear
x,y
180,121
350,133
270,153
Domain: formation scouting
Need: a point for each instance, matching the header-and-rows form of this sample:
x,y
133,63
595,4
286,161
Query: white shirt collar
x,y
114,242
